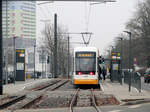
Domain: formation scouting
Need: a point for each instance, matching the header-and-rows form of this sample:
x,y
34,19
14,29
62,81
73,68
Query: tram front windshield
x,y
85,62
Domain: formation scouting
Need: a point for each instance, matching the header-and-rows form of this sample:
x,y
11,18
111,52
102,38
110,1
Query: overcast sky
x,y
106,21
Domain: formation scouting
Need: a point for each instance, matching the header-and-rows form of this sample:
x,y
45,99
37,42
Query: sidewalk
x,y
21,85
121,92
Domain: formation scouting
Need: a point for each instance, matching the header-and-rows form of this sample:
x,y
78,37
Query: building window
x,y
13,22
21,14
21,35
42,58
13,7
13,29
21,21
21,28
30,58
13,14
21,7
13,35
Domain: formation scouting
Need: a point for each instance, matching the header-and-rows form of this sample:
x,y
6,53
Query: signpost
x,y
115,66
20,65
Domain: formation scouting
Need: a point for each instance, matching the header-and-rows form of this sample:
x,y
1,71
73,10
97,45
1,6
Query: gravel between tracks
x,y
61,97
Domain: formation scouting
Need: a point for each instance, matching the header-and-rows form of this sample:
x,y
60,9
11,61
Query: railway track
x,y
56,85
12,101
92,101
42,87
23,102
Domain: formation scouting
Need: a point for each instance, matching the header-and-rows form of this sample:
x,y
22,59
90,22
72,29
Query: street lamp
x,y
6,53
121,51
14,39
34,60
111,71
121,59
129,33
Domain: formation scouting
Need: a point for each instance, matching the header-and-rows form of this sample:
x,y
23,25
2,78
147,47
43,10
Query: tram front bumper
x,y
85,81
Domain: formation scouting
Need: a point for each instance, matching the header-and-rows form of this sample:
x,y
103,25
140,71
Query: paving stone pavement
x,y
121,92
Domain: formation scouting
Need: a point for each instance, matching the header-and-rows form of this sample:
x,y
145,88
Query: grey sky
x,y
106,21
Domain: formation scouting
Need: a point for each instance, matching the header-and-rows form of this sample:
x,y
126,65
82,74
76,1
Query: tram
x,y
85,66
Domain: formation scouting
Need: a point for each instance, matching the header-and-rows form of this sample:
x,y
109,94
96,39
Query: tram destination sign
x,y
85,54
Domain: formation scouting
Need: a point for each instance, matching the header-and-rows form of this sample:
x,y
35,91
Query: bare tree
x,y
139,25
48,34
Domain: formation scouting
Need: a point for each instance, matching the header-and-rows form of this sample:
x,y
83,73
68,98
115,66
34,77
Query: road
x,y
132,108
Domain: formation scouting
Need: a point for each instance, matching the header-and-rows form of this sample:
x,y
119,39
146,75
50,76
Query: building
x,y
19,17
19,20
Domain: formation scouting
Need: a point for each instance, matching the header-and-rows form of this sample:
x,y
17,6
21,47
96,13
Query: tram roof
x,y
85,49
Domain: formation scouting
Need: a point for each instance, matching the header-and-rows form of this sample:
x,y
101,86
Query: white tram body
x,y
85,66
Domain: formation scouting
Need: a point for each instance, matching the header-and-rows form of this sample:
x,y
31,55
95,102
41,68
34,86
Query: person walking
x,y
104,73
99,72
99,69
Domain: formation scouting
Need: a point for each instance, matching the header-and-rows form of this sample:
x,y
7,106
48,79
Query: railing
x,y
135,79
116,76
126,76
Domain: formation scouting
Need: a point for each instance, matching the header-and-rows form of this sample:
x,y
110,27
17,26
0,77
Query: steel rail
x,y
49,85
45,86
28,104
94,102
73,100
31,102
12,101
59,85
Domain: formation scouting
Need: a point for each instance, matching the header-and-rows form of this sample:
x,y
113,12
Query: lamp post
x,y
68,57
45,65
111,71
121,59
14,38
121,51
6,53
129,33
1,53
42,62
55,45
34,61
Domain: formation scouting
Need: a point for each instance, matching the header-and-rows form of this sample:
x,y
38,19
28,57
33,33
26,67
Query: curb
x,y
136,102
120,102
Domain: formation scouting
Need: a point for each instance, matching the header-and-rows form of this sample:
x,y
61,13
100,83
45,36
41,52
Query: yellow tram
x,y
85,66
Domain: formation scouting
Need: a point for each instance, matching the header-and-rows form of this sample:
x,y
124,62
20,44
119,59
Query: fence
x,y
135,79
126,77
116,76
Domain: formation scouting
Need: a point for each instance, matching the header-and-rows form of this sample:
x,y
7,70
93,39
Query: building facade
x,y
19,19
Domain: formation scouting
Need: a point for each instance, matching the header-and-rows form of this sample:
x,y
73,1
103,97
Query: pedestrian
x,y
99,72
104,73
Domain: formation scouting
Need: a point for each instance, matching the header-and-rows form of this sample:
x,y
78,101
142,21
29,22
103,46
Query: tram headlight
x,y
79,73
91,73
